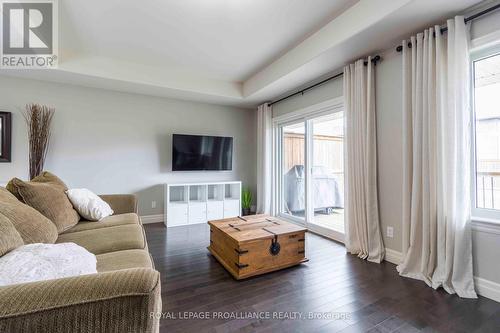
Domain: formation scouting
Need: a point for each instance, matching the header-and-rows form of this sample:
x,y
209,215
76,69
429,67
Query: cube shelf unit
x,y
193,203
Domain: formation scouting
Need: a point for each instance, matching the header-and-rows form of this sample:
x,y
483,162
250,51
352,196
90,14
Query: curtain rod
x,y
467,19
374,61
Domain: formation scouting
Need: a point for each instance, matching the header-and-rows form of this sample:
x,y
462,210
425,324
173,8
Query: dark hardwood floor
x,y
350,294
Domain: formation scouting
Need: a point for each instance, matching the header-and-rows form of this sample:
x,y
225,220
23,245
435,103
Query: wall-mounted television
x,y
201,152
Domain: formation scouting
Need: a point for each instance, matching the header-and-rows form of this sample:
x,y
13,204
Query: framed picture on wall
x,y
5,136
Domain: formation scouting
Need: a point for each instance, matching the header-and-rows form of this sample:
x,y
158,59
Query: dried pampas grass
x,y
38,119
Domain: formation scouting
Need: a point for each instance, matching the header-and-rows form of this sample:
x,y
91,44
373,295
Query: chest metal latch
x,y
275,246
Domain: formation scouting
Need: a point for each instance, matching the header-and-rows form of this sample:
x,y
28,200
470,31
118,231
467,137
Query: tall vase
x,y
38,120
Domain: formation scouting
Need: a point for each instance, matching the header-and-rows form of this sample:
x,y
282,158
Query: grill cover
x,y
325,189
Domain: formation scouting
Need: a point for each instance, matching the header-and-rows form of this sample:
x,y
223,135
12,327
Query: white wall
x,y
486,243
389,99
486,24
114,142
329,90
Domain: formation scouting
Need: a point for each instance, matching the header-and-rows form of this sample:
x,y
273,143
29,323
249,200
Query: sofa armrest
x,y
121,203
118,301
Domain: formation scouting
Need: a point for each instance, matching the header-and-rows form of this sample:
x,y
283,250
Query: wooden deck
x,y
333,221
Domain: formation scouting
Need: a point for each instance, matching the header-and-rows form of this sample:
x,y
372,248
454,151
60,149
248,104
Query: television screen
x,y
200,152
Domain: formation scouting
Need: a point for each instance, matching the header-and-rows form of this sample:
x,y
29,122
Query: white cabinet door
x,y
215,210
231,208
197,213
177,215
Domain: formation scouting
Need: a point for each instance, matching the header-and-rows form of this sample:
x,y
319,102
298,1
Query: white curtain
x,y
264,158
437,160
363,235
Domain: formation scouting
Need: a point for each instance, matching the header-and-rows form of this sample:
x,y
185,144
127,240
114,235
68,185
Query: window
x,y
486,69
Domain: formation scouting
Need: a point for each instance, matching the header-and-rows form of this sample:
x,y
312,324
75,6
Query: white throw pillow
x,y
38,262
88,204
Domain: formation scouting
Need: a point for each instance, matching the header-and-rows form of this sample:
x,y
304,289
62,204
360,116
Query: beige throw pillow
x,y
10,238
6,196
49,199
44,177
31,225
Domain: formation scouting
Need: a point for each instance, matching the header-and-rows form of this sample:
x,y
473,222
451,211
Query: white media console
x,y
201,202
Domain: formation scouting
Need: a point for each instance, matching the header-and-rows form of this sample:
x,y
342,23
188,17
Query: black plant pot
x,y
246,211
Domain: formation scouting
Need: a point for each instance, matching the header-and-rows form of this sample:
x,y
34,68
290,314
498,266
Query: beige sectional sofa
x,y
120,298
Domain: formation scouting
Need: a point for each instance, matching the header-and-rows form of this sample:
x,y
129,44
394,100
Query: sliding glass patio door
x,y
310,172
293,161
327,175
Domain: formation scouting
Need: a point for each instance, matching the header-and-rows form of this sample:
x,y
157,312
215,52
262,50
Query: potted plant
x,y
246,201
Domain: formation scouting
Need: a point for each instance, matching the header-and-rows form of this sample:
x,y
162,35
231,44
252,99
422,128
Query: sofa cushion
x,y
104,240
6,196
110,221
49,199
44,177
31,225
113,261
10,238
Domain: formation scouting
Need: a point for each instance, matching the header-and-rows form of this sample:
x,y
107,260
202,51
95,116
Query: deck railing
x,y
488,190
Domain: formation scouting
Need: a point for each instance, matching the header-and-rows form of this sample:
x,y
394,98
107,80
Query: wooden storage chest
x,y
256,244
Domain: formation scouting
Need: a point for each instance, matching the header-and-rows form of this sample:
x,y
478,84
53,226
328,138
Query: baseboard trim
x,y
393,256
487,288
146,219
